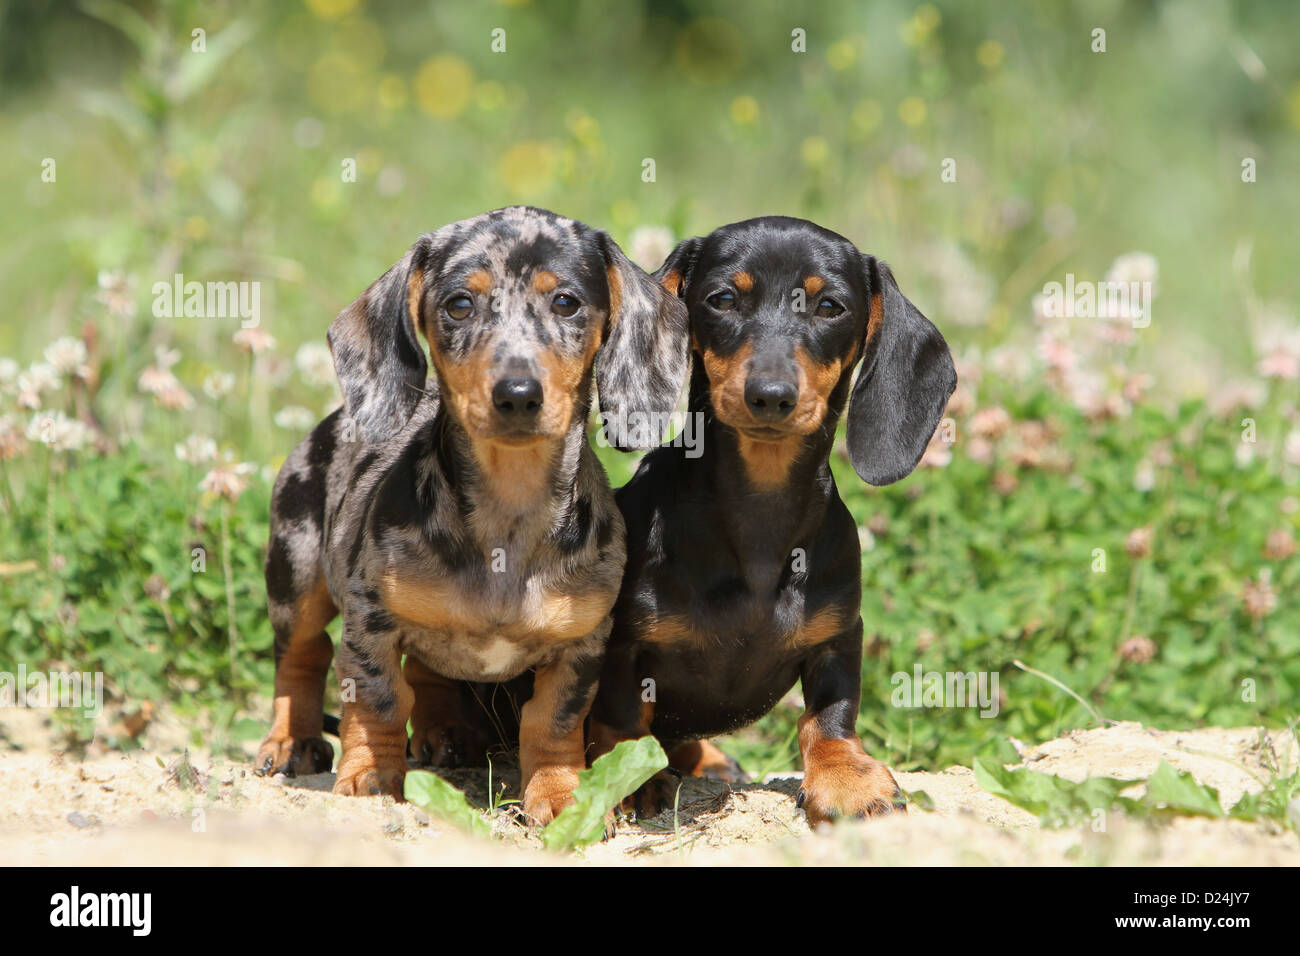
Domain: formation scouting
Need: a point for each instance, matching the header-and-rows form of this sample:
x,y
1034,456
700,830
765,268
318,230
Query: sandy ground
x,y
143,808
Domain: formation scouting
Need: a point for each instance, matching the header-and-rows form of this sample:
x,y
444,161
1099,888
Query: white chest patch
x,y
499,657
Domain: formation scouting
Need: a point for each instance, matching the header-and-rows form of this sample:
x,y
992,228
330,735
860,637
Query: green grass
x,y
959,577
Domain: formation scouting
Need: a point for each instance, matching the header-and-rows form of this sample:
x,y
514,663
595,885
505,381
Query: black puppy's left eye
x,y
829,308
723,301
565,305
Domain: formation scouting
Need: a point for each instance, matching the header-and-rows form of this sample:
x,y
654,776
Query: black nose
x,y
770,400
517,397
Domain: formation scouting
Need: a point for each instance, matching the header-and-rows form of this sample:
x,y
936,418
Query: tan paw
x,y
549,791
848,785
358,779
293,756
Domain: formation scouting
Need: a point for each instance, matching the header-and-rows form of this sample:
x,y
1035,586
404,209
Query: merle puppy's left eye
x,y
829,308
565,305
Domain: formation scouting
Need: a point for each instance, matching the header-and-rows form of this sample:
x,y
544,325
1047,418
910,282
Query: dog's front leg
x,y
376,704
840,777
551,746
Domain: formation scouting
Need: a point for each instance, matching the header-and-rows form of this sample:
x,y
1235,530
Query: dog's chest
x,y
490,626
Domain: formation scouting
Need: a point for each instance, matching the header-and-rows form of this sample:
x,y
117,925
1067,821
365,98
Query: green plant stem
x,y
49,513
1056,683
227,572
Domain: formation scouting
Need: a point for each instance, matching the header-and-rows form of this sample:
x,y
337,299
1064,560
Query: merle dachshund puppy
x,y
744,567
464,522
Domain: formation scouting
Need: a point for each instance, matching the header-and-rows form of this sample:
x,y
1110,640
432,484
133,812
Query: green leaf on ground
x,y
600,789
442,801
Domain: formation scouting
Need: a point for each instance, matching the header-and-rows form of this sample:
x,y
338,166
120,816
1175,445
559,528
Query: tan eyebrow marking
x,y
814,284
545,282
479,281
743,280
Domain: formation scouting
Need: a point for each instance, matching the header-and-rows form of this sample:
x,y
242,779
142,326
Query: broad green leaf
x,y
1179,791
600,788
1054,800
441,800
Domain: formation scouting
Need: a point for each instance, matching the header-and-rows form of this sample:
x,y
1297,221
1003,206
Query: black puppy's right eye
x,y
723,301
459,307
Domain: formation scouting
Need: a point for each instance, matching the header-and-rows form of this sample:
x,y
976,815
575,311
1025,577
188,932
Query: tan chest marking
x,y
821,627
767,463
670,629
547,614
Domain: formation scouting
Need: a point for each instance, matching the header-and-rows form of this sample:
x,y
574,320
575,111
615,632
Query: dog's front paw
x,y
549,790
848,784
293,756
365,779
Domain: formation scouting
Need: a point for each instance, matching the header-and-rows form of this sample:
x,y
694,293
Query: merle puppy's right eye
x,y
459,307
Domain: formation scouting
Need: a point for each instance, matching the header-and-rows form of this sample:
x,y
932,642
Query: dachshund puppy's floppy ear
x,y
642,363
903,386
377,354
675,273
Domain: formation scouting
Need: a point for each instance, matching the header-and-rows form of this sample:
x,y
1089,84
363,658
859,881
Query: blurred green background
x,y
228,165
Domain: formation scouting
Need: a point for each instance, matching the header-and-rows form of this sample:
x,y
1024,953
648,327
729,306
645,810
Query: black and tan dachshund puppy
x,y
464,522
744,567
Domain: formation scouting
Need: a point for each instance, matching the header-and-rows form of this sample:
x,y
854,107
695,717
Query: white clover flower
x,y
67,355
315,364
1276,331
227,480
8,371
1280,364
1056,352
254,341
218,385
650,246
59,432
164,357
295,418
115,293
175,398
1134,267
1144,475
991,422
36,381
42,377
197,450
155,381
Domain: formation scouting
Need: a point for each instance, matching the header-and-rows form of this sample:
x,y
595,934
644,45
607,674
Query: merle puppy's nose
x,y
517,398
770,400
